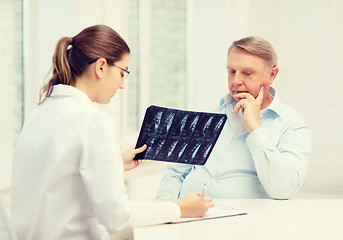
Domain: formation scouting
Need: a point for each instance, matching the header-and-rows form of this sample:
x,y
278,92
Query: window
x,y
11,68
157,38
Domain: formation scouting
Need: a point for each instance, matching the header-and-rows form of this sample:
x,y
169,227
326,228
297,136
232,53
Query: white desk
x,y
303,219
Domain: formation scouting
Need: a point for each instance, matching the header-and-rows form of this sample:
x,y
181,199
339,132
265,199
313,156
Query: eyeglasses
x,y
125,72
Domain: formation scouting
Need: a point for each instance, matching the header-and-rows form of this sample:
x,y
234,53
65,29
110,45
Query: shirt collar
x,y
62,90
274,106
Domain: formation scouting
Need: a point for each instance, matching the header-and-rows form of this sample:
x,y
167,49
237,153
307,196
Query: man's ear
x,y
273,74
99,67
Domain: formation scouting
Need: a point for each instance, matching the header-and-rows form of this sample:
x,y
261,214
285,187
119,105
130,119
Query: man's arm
x,y
282,168
172,180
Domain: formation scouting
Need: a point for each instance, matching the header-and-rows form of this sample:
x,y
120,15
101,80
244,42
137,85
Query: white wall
x,y
208,43
11,84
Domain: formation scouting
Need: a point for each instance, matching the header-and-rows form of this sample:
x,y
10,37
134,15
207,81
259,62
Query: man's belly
x,y
234,184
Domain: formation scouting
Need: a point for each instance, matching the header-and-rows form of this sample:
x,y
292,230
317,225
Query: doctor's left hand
x,y
128,156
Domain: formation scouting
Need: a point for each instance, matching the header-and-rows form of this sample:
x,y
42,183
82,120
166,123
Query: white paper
x,y
217,211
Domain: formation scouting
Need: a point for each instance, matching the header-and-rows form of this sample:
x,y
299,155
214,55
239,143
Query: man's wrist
x,y
254,127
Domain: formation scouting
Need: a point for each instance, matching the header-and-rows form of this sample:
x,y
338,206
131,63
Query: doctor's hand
x,y
250,108
128,156
194,205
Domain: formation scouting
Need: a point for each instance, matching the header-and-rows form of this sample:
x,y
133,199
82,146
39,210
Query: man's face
x,y
248,73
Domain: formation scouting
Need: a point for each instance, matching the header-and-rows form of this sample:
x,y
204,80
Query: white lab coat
x,y
67,178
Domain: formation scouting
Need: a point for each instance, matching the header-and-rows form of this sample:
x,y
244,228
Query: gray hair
x,y
259,47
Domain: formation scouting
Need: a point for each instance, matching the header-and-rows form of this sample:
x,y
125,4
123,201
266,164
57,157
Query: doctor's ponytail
x,y
61,69
73,55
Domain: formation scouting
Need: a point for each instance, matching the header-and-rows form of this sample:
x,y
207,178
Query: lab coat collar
x,y
62,90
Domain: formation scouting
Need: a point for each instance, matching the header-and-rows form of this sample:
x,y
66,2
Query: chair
x,y
6,229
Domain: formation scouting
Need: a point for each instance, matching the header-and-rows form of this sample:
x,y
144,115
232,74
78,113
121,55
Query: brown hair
x,y
259,47
73,55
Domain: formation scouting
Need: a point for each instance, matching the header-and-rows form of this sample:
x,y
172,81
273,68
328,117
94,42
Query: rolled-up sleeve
x,y
172,180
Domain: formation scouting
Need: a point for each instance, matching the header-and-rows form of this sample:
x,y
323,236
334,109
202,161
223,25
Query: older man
x,y
264,148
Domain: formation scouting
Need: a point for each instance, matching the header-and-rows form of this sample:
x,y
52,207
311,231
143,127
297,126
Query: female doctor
x,y
67,178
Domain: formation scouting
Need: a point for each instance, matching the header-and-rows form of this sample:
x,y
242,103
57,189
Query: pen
x,y
203,190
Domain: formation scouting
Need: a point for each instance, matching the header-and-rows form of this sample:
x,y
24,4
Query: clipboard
x,y
218,211
179,136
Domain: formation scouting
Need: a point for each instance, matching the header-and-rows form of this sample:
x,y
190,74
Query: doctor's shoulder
x,y
97,117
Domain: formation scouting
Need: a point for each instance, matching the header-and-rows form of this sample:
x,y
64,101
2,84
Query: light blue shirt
x,y
271,162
